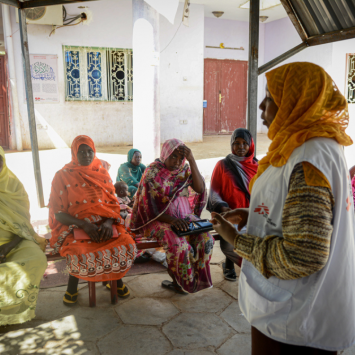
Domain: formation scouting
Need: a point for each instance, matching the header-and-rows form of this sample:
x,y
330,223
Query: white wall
x,y
234,34
110,123
181,76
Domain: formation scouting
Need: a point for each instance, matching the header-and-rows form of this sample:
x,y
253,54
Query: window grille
x,y
98,74
350,82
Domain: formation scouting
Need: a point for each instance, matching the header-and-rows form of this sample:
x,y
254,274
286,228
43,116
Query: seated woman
x,y
230,188
132,171
165,199
22,258
83,196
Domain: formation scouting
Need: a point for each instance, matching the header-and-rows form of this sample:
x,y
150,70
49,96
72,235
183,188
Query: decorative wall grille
x,y
98,74
121,75
350,83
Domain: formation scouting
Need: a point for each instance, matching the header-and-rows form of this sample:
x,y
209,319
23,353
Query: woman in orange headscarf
x,y
83,196
296,284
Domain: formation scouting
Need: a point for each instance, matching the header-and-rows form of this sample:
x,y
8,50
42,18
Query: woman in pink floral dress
x,y
172,193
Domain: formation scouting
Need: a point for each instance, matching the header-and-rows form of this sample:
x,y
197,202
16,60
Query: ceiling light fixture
x,y
264,4
218,13
263,18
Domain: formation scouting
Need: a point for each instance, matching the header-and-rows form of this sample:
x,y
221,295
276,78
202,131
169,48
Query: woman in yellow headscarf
x,y
296,284
22,258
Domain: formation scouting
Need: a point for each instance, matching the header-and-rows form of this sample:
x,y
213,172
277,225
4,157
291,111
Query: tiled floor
x,y
152,321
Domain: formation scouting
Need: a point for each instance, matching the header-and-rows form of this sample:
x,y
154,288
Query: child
x,y
122,195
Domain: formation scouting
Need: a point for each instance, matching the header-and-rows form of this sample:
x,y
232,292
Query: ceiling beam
x,y
334,36
13,3
294,19
37,3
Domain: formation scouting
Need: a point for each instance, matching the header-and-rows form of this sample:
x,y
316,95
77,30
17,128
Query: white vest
x,y
318,310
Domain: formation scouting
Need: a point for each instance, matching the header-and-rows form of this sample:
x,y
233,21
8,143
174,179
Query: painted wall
x,y
110,123
181,76
234,34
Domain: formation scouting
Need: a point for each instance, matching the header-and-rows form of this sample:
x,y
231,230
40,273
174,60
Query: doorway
x,y
225,90
4,111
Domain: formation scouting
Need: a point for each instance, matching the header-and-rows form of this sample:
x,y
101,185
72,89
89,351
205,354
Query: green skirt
x,y
20,277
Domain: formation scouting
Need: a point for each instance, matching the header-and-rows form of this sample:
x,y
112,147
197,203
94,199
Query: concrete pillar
x,y
12,74
146,105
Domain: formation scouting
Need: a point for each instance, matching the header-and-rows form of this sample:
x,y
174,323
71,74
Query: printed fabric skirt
x,y
20,277
187,257
104,261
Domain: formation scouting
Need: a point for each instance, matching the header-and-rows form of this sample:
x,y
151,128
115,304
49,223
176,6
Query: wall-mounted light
x,y
218,13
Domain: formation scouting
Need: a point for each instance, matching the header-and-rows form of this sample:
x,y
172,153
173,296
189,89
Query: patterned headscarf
x,y
168,147
310,105
159,187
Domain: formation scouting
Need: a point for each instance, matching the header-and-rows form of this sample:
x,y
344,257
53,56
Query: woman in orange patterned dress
x,y
83,196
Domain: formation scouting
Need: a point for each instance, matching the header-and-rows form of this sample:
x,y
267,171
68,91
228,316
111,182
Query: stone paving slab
x,y
239,344
86,323
64,347
26,341
217,256
350,351
192,352
217,275
231,288
232,315
46,312
210,300
134,340
147,311
196,330
150,286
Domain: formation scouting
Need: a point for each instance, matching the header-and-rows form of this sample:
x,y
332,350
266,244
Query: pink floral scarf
x,y
159,187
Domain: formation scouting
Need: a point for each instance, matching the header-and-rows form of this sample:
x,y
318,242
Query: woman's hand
x,y
92,230
224,228
180,224
225,209
238,216
186,152
6,248
106,231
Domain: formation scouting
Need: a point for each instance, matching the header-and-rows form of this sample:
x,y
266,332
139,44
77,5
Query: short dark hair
x,y
120,184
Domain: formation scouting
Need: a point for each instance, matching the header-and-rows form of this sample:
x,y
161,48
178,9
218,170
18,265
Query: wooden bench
x,y
141,244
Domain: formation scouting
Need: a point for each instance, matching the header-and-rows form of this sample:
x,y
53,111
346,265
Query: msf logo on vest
x,y
264,211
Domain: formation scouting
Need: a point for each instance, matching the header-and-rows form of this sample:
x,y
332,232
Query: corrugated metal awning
x,y
322,21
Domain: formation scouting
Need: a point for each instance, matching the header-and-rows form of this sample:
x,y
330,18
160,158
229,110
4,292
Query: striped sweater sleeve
x,y
304,246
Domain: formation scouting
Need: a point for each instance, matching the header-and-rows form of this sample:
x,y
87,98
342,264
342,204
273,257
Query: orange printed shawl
x,y
84,192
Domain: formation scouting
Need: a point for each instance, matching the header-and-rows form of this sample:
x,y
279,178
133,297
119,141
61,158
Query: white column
x,y
12,73
146,105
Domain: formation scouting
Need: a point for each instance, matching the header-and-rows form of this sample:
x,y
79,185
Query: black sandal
x,y
142,259
70,299
122,292
170,285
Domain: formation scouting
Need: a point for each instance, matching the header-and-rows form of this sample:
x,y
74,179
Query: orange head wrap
x,y
310,105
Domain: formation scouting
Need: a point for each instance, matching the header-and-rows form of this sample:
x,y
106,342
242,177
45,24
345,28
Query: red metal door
x,y
211,88
226,94
233,86
4,118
